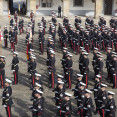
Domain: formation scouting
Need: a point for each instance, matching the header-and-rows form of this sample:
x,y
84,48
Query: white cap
x,y
7,80
2,56
60,76
32,50
37,84
98,76
60,82
88,91
111,93
85,53
39,91
65,48
83,84
103,85
96,48
70,55
68,94
15,53
36,74
33,57
79,75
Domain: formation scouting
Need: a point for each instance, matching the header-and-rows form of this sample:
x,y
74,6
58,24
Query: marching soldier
x,y
85,69
5,37
38,104
2,70
68,70
15,67
102,98
20,25
15,29
11,22
6,97
16,16
66,107
88,104
110,106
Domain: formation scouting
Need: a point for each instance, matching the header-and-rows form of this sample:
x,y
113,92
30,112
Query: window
x,y
78,2
46,3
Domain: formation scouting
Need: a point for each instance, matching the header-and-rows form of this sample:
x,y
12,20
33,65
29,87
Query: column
x,y
66,7
98,8
33,6
1,7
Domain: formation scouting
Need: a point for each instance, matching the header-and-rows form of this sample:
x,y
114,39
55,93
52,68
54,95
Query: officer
x,y
10,33
2,70
6,97
102,99
5,37
15,67
66,107
88,104
110,106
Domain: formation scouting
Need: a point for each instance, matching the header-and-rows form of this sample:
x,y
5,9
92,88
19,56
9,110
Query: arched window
x,y
46,3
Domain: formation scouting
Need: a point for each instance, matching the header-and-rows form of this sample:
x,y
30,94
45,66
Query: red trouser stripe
x,y
33,81
86,80
115,80
60,112
69,82
52,80
102,112
9,114
2,81
15,76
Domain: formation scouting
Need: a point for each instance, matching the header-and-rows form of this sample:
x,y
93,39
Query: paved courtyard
x,y
21,92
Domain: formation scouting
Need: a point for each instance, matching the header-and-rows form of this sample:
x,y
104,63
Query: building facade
x,y
69,7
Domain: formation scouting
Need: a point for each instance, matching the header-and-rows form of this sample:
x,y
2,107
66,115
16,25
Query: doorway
x,y
108,7
14,6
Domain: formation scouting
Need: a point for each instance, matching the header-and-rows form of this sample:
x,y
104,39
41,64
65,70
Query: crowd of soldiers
x,y
81,41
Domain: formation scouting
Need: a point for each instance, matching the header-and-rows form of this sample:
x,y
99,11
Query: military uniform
x,y
6,98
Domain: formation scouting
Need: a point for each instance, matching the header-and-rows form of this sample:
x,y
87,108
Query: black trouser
x,y
59,14
8,111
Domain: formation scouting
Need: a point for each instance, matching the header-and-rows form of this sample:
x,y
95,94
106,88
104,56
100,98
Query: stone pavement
x,y
21,93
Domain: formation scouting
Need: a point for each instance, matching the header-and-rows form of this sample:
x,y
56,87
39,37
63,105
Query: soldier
x,y
5,37
66,107
68,70
16,16
10,33
2,70
108,60
114,71
79,79
85,69
97,89
11,22
52,69
110,106
20,25
38,104
80,97
15,29
102,98
15,67
88,104
59,11
6,97
59,95
31,15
